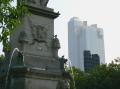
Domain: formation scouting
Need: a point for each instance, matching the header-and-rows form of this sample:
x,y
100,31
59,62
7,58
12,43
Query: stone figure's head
x,y
55,36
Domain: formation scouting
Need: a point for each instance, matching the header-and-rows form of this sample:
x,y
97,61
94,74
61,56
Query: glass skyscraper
x,y
82,37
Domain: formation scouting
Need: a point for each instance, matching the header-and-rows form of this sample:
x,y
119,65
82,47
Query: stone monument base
x,y
29,78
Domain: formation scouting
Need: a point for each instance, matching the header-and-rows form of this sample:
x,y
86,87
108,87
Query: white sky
x,y
105,13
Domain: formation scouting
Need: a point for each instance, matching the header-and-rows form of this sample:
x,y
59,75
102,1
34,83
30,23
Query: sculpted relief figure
x,y
34,36
56,43
39,33
56,46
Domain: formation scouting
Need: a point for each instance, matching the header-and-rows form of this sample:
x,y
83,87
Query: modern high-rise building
x,y
90,60
82,37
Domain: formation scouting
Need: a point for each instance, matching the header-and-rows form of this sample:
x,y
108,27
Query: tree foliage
x,y
102,77
10,18
2,57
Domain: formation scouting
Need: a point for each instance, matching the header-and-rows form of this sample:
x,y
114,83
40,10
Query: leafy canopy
x,y
10,18
102,77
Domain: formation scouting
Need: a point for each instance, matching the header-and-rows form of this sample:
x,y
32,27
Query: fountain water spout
x,y
10,61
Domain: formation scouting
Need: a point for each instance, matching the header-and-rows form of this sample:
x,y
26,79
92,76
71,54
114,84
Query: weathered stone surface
x,y
36,65
35,37
33,78
42,3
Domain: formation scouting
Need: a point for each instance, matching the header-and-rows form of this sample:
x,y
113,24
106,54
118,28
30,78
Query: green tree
x,y
2,57
10,18
102,77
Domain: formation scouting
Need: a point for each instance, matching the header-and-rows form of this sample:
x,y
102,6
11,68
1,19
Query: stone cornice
x,y
34,72
46,12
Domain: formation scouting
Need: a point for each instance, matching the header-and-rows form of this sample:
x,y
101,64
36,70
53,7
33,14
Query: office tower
x,y
90,60
82,37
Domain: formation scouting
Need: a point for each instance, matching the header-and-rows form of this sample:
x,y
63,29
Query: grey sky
x,y
105,13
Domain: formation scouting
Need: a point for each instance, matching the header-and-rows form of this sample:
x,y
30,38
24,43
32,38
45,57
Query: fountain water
x,y
70,65
10,61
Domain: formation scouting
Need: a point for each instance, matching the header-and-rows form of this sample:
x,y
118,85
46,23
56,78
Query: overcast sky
x,y
105,13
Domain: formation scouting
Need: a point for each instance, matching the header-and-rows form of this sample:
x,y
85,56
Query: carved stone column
x,y
42,67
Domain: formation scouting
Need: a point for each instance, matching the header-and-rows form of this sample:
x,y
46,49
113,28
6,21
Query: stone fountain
x,y
40,67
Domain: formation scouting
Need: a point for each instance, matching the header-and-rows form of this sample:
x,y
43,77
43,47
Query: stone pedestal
x,y
41,67
31,78
35,37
